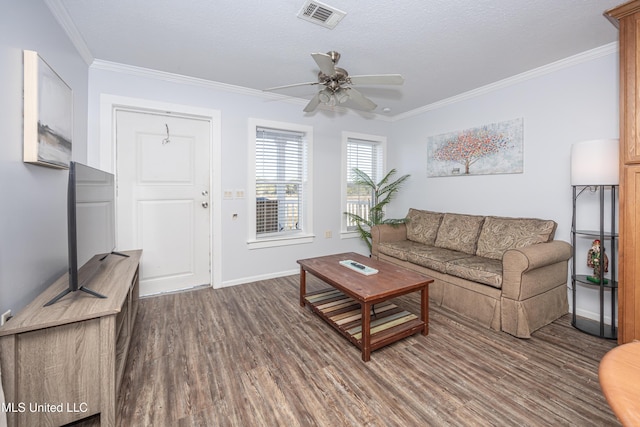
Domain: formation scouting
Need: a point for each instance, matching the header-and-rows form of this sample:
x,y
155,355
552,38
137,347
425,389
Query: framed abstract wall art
x,y
496,148
48,114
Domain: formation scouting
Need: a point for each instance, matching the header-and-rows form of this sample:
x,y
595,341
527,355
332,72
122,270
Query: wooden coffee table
x,y
348,305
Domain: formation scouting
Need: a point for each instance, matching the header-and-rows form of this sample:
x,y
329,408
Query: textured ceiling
x,y
442,47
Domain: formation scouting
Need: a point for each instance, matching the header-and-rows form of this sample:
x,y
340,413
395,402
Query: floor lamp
x,y
595,166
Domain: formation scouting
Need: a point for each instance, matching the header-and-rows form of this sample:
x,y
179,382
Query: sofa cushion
x,y
433,257
459,232
477,269
422,226
399,249
501,234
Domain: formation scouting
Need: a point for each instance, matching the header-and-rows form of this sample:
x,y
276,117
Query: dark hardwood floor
x,y
249,355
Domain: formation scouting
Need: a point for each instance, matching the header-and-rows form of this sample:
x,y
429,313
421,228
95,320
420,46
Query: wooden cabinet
x,y
629,55
65,362
629,293
627,18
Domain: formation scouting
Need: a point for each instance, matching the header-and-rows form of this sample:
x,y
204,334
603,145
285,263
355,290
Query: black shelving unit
x,y
608,245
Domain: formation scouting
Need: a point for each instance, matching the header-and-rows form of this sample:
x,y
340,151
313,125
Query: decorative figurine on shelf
x,y
594,257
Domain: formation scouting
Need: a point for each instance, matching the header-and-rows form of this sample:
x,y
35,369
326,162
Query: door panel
x,y
173,249
163,173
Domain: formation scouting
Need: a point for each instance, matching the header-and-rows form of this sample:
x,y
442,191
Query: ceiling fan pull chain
x,y
166,140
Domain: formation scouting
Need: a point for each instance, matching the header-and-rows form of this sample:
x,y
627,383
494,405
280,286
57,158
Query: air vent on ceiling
x,y
321,14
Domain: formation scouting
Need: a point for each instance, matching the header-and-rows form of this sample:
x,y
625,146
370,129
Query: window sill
x,y
270,242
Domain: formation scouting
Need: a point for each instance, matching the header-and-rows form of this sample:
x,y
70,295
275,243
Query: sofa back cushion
x,y
459,232
501,234
422,226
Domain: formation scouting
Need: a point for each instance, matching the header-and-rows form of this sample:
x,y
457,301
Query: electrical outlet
x,y
5,316
327,234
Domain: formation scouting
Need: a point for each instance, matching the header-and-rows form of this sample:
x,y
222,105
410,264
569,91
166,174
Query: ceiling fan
x,y
338,84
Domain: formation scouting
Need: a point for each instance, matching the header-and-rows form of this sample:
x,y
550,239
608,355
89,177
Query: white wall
x,y
33,231
561,104
239,264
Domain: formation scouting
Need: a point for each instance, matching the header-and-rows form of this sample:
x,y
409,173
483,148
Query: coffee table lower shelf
x,y
389,323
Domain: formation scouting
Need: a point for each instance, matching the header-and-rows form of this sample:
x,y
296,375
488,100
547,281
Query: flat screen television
x,y
90,224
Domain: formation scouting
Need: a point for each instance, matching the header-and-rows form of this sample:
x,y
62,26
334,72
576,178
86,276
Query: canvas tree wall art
x,y
490,149
48,114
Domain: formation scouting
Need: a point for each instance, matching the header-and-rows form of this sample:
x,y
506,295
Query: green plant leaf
x,y
382,193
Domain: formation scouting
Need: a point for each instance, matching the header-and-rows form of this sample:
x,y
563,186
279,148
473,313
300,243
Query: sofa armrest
x,y
382,233
534,269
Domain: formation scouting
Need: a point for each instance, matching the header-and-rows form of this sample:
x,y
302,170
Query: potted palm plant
x,y
381,194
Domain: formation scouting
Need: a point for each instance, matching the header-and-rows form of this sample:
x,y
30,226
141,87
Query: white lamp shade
x,y
595,162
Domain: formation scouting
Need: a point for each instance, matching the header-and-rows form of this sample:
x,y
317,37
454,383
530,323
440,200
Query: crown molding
x,y
580,58
619,12
62,16
133,70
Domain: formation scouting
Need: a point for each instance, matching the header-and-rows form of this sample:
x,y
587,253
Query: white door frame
x,y
107,157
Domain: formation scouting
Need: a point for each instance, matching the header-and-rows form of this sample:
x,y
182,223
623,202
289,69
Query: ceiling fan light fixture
x,y
342,95
325,96
337,84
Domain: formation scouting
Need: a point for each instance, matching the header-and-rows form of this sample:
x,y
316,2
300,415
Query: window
x,y
367,153
282,202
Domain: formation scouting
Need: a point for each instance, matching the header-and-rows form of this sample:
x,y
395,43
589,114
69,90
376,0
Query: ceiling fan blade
x,y
313,104
377,79
325,63
365,103
286,86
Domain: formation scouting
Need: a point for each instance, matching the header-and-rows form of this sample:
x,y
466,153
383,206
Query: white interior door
x,y
163,178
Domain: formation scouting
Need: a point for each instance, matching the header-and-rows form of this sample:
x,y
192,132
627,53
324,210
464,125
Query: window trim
x,y
381,141
304,236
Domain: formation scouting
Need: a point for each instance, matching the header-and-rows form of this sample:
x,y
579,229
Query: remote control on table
x,y
358,267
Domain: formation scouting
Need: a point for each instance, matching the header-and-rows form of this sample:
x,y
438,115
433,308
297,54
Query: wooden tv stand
x,y
65,362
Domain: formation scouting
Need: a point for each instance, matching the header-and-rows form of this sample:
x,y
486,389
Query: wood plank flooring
x,y
249,355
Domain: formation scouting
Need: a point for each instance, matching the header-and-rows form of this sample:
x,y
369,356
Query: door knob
x,y
205,204
205,193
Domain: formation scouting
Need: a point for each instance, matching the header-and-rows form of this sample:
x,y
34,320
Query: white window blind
x,y
280,179
366,156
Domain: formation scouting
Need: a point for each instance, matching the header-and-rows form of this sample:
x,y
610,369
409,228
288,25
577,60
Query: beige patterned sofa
x,y
506,273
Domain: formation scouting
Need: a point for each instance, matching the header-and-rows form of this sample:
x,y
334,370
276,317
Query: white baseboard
x,y
151,291
251,279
